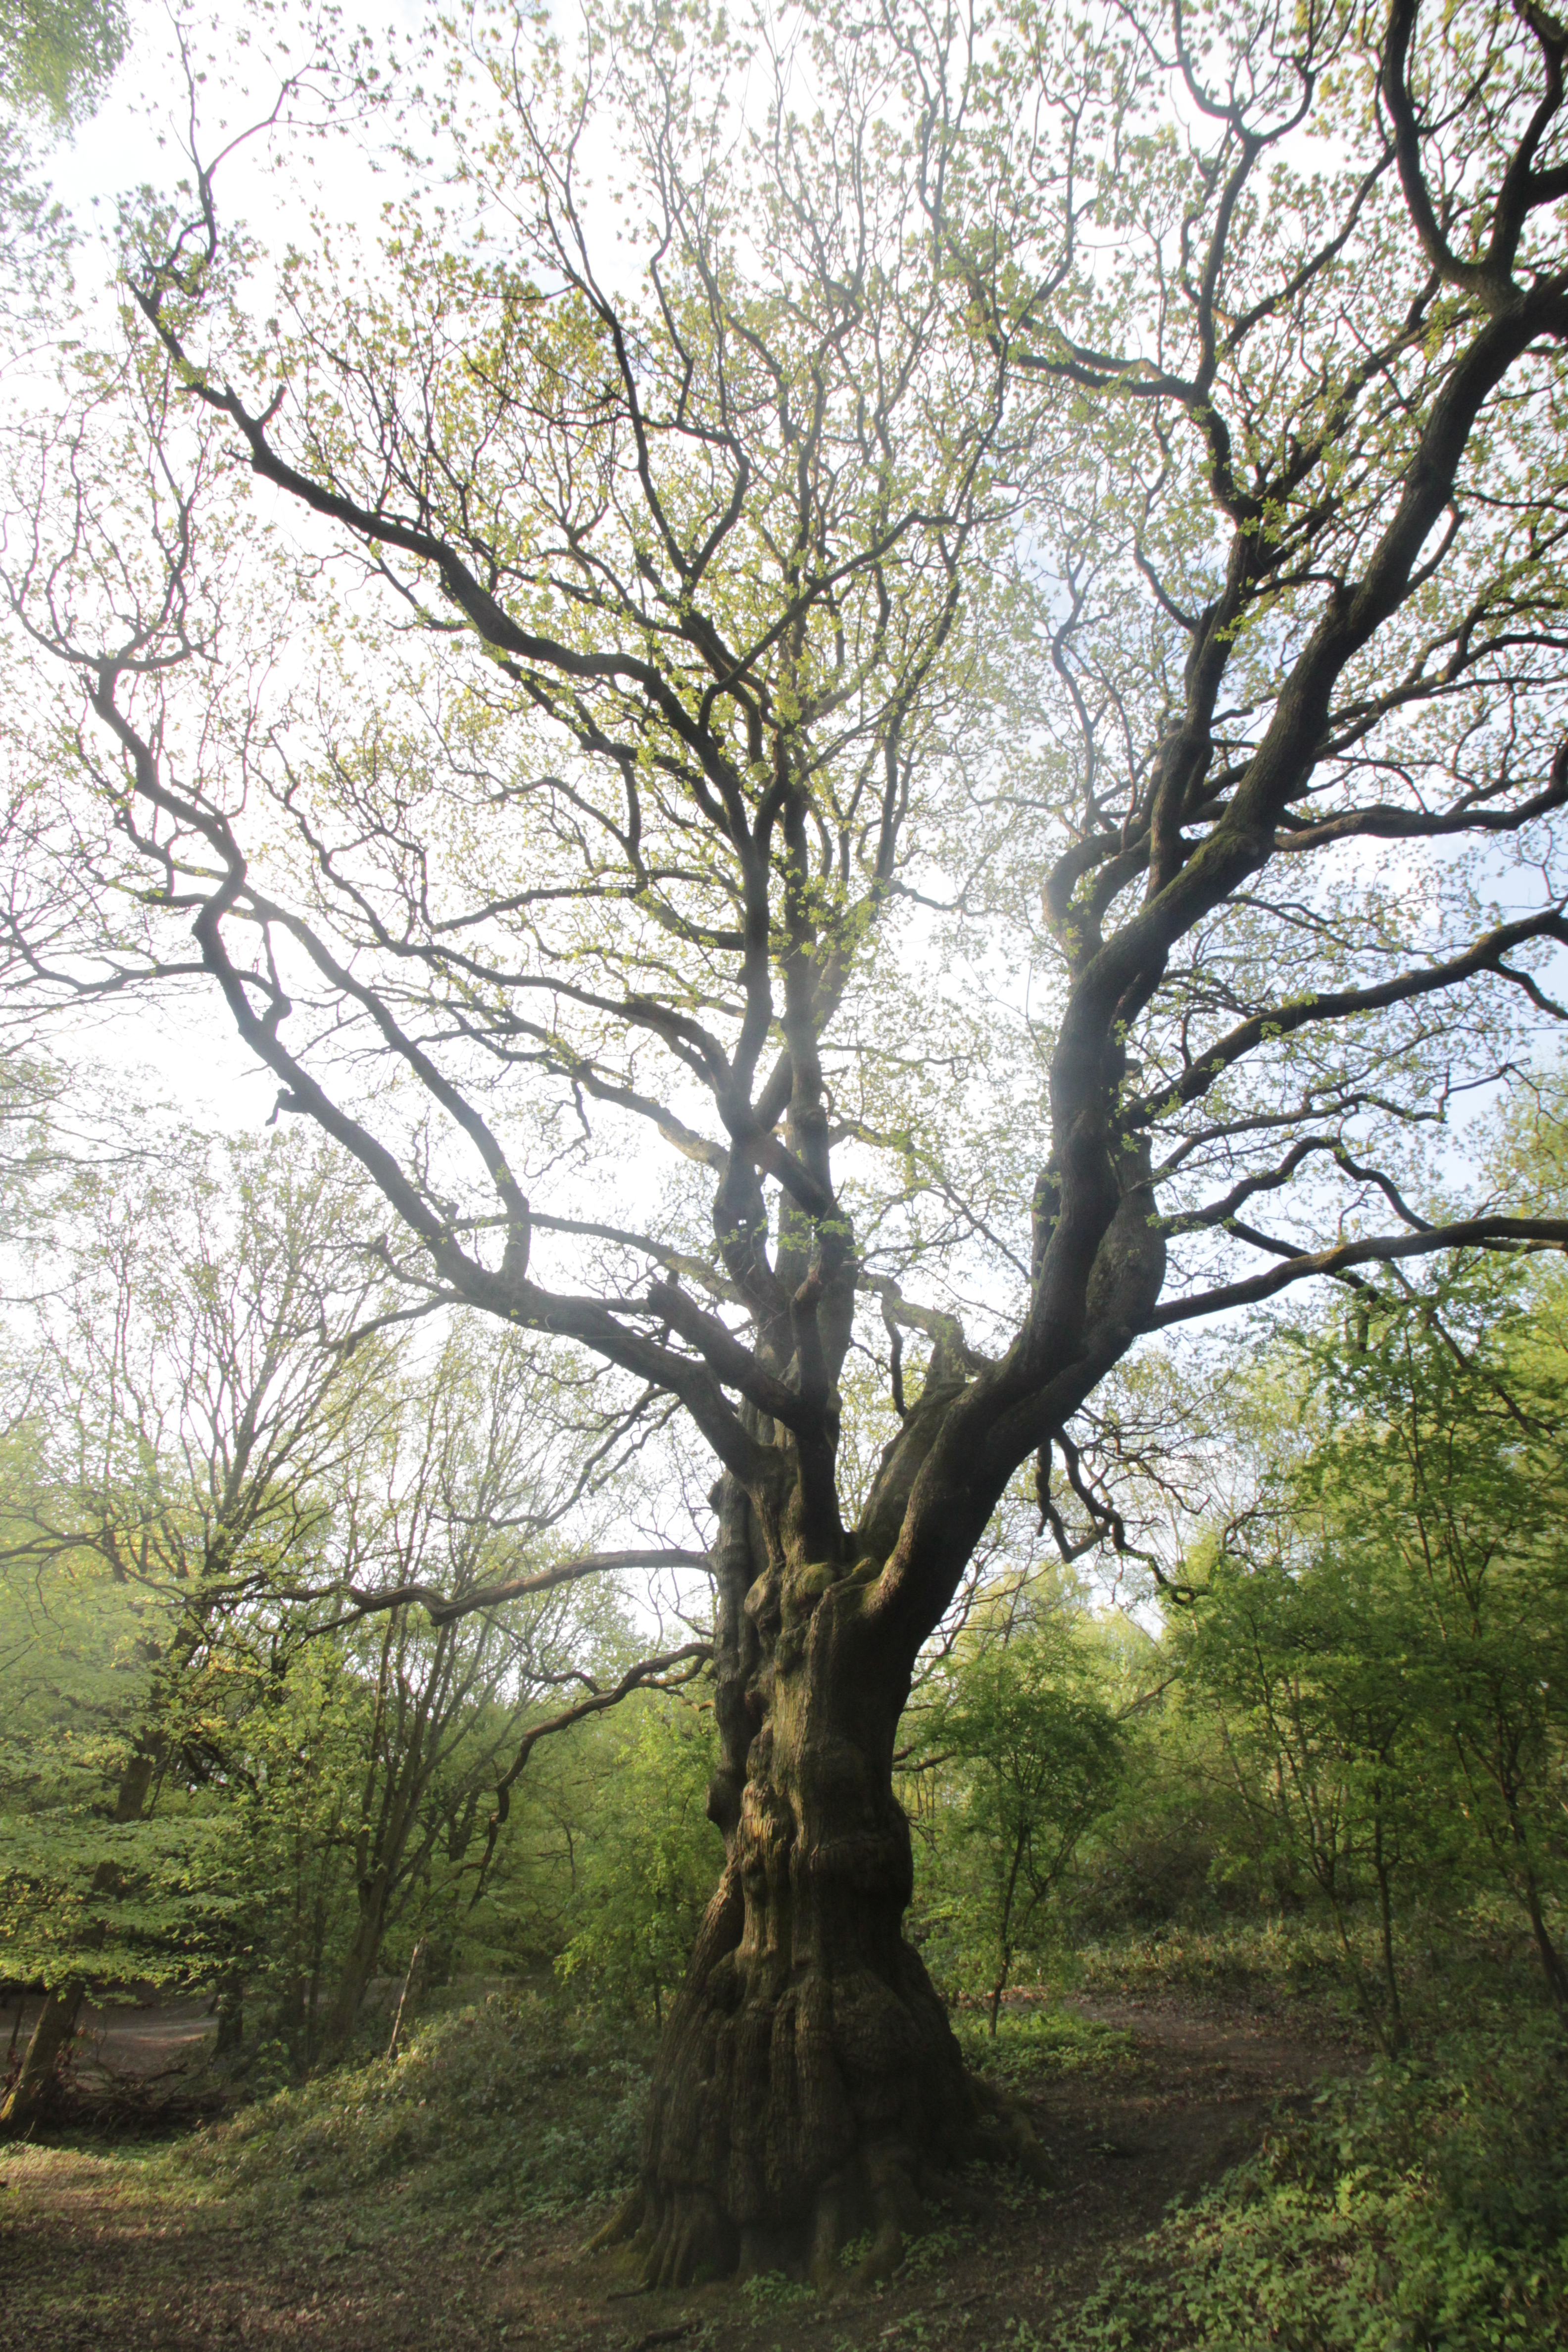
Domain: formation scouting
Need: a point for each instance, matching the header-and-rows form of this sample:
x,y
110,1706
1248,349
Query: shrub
x,y
1424,2206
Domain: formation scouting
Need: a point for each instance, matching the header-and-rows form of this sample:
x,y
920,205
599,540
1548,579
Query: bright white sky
x,y
183,1050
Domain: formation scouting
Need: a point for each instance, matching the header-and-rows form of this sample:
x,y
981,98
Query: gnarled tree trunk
x,y
809,2079
809,2088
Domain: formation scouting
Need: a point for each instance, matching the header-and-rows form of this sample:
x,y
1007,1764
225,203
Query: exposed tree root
x,y
828,2236
1005,2135
623,2223
884,2193
940,2188
897,2208
687,2239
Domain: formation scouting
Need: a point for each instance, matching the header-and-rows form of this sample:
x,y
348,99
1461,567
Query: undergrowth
x,y
1284,1955
1033,2042
508,2100
1421,2209
1457,1968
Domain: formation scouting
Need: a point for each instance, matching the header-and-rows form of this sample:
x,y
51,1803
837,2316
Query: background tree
x,y
448,1699
1037,1751
647,1859
1379,1625
278,1604
1316,1676
1074,496
57,56
58,59
1452,1446
197,1400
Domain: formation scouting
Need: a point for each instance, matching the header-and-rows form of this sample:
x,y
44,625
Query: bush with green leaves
x,y
88,1887
1029,1744
1382,1636
1424,2206
650,1858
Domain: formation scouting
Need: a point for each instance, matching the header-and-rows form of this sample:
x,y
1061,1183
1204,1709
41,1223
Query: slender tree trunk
x,y
27,2103
1529,1888
313,1987
1551,1957
29,2098
291,2014
1516,1863
230,2013
1365,2001
360,1966
1005,1938
407,1999
1386,1921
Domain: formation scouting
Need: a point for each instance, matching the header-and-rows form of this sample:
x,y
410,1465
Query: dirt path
x,y
136,2041
93,2260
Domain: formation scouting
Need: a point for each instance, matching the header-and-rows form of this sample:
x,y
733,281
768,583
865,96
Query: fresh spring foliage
x,y
651,1859
57,56
1023,1749
1425,2206
219,1767
1382,1633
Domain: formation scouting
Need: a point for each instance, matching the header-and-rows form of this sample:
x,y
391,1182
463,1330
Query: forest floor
x,y
1140,2093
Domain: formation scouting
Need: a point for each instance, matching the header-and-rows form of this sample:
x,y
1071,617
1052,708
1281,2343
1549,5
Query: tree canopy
x,y
1069,502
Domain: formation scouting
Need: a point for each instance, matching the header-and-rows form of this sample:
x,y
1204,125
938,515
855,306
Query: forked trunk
x,y
809,2087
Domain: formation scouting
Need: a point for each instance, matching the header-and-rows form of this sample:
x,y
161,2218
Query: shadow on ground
x,y
100,2248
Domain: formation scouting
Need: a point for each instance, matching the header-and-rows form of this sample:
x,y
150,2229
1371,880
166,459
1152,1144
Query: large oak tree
x,y
864,668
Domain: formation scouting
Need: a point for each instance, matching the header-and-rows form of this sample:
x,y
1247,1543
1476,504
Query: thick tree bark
x,y
808,2073
809,2087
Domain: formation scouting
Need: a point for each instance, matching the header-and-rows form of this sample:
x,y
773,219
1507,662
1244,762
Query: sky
x,y
182,1051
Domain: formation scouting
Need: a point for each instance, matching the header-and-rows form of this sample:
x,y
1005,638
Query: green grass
x,y
511,2104
1036,2040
